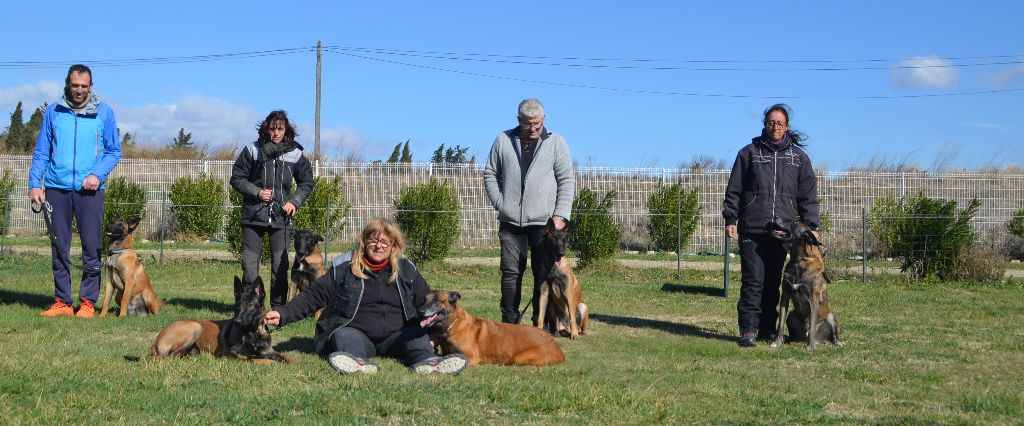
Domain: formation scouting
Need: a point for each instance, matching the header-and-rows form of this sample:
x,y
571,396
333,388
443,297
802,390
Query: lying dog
x,y
243,336
560,294
484,341
804,284
309,262
134,292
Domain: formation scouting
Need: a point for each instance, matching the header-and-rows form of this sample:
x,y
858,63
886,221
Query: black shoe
x,y
747,340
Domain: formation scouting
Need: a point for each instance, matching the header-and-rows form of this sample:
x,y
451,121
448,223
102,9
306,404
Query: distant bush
x,y
928,234
1016,224
6,188
429,217
198,206
593,234
124,198
675,215
328,192
979,263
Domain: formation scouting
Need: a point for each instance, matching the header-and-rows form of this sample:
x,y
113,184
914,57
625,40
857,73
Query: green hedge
x,y
124,198
670,206
198,206
429,217
6,191
593,235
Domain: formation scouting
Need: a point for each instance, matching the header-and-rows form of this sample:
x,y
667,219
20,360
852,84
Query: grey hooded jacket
x,y
548,189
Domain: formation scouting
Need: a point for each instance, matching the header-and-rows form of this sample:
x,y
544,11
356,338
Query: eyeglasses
x,y
379,243
528,125
775,124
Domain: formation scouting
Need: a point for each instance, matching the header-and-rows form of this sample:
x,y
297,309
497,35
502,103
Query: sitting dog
x,y
309,262
561,295
804,284
243,336
484,341
134,292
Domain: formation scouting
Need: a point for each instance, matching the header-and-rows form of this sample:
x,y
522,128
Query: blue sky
x,y
628,84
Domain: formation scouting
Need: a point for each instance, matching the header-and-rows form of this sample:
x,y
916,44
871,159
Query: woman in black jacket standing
x,y
771,178
264,173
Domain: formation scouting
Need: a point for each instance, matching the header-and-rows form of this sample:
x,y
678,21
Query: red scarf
x,y
377,267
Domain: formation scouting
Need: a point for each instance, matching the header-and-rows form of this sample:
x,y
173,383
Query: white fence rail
x,y
372,189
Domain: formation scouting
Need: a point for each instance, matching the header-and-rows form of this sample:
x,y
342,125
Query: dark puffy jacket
x,y
766,183
252,172
340,294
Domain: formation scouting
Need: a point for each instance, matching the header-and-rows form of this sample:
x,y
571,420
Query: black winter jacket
x,y
766,183
252,172
341,295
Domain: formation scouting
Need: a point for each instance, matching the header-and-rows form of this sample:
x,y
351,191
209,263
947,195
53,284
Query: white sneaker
x,y
347,364
450,364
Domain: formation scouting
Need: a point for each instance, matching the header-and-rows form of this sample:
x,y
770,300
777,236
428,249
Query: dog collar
x,y
113,252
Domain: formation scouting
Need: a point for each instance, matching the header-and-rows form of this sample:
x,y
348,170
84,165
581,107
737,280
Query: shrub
x,y
125,198
198,206
6,188
429,217
979,263
927,233
1016,224
233,233
669,207
594,234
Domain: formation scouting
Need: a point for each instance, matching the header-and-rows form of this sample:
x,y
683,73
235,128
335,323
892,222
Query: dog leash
x,y
47,210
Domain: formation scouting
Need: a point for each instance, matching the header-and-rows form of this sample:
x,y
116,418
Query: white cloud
x,y
30,96
925,71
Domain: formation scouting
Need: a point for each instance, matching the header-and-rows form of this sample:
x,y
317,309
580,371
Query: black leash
x,y
47,210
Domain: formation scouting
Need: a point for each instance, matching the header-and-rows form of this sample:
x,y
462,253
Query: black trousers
x,y
516,242
410,344
762,258
252,250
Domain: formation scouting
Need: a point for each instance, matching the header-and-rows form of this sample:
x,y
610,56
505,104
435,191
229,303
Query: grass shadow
x,y
692,289
35,300
296,344
198,304
666,326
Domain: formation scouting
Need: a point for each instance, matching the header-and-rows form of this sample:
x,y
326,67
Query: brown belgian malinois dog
x,y
484,341
243,336
804,284
309,262
134,292
561,295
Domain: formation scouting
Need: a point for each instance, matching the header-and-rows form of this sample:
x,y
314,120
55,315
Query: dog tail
x,y
132,358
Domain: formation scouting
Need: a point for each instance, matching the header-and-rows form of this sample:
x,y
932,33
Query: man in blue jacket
x,y
77,148
529,179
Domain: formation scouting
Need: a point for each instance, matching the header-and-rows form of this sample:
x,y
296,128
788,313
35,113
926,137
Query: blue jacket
x,y
73,146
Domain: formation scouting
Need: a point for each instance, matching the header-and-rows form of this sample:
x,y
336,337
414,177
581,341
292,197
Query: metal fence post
x,y
864,245
163,224
725,254
679,239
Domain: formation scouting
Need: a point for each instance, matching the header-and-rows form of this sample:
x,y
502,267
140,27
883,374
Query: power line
x,y
672,93
156,61
905,63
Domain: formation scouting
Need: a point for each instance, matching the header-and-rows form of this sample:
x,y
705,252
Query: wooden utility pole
x,y
316,131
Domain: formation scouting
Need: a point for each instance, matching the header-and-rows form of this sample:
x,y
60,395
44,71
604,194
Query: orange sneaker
x,y
57,309
86,310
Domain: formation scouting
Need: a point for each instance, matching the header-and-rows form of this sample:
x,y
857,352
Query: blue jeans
x,y
410,344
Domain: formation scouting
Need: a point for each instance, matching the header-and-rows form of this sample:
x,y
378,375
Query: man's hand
x,y
288,209
731,231
272,318
559,222
91,183
37,196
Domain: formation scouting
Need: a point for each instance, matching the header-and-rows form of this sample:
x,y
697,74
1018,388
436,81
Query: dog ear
x,y
238,293
133,223
317,238
257,286
453,296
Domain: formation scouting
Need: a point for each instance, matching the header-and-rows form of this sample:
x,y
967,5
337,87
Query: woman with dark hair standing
x,y
771,178
264,173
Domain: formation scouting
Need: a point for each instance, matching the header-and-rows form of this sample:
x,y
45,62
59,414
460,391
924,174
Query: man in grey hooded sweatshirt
x,y
529,179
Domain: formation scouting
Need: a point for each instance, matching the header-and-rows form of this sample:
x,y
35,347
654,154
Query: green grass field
x,y
659,351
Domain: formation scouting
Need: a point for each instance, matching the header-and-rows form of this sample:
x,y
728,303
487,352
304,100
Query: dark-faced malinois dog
x,y
484,341
804,284
561,295
309,262
243,336
134,291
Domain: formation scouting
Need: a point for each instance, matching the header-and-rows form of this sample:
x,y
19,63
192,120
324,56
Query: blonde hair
x,y
378,226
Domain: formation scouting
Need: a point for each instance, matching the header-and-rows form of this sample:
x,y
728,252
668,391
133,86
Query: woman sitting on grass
x,y
370,300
